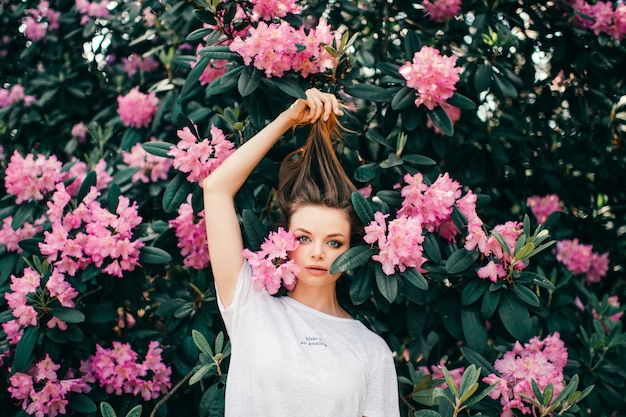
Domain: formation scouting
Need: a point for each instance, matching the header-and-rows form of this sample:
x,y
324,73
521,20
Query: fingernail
x,y
325,118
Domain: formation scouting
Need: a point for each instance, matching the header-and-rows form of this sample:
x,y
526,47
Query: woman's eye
x,y
303,239
335,243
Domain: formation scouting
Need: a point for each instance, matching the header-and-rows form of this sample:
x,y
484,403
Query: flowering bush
x,y
463,121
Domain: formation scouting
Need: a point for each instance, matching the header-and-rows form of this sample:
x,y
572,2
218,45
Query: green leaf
x,y
538,279
366,173
482,77
415,278
462,102
411,44
514,316
474,289
89,181
201,343
526,295
289,86
24,213
387,284
460,261
82,403
362,208
440,118
352,258
191,83
419,160
389,68
431,248
506,88
468,380
68,315
135,411
158,148
154,255
200,373
31,245
253,229
369,92
199,34
361,286
474,328
249,80
477,359
176,193
403,98
490,303
224,82
24,350
426,413
107,410
216,52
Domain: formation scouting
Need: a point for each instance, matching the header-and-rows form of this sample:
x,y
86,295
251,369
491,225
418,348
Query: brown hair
x,y
313,175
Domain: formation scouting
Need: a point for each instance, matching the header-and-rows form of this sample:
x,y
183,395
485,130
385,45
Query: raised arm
x,y
222,226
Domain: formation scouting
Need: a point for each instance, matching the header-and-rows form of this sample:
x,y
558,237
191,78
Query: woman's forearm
x,y
232,173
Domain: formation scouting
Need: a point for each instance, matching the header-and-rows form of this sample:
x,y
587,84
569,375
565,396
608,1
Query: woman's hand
x,y
317,105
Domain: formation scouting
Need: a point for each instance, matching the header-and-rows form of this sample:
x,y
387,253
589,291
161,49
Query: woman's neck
x,y
323,299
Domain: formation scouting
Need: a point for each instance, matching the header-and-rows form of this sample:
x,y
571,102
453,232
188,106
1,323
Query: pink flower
x,y
41,391
433,76
118,370
136,63
271,266
542,207
11,238
191,234
442,10
493,271
270,9
15,96
29,178
273,49
581,259
603,17
199,159
79,131
613,303
152,168
538,360
399,242
136,109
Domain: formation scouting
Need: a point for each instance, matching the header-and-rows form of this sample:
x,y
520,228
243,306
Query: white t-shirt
x,y
290,360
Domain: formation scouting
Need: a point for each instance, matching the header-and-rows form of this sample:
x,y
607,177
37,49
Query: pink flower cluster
x,y
31,178
11,238
542,207
15,96
91,10
136,63
433,76
435,204
118,371
152,168
605,17
442,10
539,360
273,48
581,259
270,9
271,265
199,159
399,242
28,299
41,19
79,170
491,247
42,392
191,234
136,109
79,131
91,235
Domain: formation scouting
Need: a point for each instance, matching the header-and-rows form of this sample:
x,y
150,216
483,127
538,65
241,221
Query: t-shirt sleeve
x,y
244,290
382,388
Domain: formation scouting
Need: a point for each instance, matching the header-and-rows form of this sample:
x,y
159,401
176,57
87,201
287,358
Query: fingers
x,y
321,105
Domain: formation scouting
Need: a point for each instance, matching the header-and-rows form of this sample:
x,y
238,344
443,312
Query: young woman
x,y
301,355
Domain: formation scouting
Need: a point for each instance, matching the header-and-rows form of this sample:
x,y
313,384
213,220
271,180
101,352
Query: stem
x,y
169,394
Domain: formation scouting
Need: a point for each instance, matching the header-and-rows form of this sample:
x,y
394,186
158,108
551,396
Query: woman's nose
x,y
317,252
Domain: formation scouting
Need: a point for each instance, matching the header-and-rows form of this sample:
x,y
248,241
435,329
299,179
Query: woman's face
x,y
324,234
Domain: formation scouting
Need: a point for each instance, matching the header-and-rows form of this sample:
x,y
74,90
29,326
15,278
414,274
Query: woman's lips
x,y
316,270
